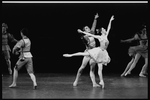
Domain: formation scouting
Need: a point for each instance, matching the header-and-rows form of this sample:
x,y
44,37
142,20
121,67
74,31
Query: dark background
x,y
53,32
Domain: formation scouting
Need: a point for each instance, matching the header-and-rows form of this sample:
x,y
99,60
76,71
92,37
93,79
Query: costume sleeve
x,y
18,45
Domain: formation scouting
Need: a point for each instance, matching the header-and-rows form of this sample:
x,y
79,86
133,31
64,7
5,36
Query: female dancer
x,y
98,54
90,43
136,52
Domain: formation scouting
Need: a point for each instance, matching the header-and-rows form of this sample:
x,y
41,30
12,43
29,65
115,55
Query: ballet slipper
x,y
34,87
96,85
123,74
12,85
127,73
102,84
75,83
142,75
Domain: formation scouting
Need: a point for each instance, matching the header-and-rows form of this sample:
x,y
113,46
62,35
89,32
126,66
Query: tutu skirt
x,y
99,55
143,50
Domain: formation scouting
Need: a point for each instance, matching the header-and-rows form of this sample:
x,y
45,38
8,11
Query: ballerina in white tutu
x,y
98,54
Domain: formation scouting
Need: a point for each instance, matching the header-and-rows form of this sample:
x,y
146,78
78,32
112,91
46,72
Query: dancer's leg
x,y
144,68
92,73
19,64
9,66
15,76
100,68
29,67
128,66
83,65
8,62
77,54
137,56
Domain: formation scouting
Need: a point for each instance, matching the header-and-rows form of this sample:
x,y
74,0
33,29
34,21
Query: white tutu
x,y
99,55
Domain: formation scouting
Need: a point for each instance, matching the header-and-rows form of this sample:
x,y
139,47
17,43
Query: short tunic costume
x,y
25,57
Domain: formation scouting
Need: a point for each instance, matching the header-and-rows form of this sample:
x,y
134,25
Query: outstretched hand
x,y
112,17
80,31
96,16
122,40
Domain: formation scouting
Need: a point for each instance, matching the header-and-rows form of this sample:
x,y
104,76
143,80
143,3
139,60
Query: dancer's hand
x,y
112,17
80,31
96,16
122,40
66,55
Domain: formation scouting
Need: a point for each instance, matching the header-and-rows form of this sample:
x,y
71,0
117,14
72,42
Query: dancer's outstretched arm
x,y
131,39
94,23
109,25
95,36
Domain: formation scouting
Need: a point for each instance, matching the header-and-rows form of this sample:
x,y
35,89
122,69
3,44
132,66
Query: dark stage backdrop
x,y
53,32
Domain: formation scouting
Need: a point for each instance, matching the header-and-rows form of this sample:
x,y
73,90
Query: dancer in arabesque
x,y
98,54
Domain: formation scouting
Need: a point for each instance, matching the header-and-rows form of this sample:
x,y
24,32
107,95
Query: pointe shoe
x,y
66,55
35,87
12,86
102,84
122,75
142,75
75,84
127,73
96,85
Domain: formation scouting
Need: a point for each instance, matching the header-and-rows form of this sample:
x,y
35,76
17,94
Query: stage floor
x,y
59,86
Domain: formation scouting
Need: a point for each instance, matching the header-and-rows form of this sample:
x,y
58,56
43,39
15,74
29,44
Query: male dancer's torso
x,y
90,42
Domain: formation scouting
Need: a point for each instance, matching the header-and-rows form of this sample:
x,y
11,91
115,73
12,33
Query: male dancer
x,y
23,46
5,47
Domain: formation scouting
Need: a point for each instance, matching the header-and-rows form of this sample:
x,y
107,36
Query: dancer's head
x,y
86,29
101,30
24,32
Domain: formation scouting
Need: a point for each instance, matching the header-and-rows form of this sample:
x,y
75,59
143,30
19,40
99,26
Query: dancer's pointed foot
x,y
127,73
102,83
96,85
142,75
75,83
12,85
67,55
123,74
35,87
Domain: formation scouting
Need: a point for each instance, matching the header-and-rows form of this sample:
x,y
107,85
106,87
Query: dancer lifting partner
x,y
89,43
98,54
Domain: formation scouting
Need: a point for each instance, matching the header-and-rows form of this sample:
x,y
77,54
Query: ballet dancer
x,y
25,58
136,52
6,37
89,43
98,54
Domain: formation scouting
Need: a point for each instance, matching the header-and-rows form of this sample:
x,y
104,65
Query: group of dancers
x,y
93,54
99,55
22,47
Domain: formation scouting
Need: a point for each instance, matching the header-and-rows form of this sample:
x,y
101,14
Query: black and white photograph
x,y
74,50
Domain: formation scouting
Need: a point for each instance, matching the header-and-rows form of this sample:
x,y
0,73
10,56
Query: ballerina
x,y
136,52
